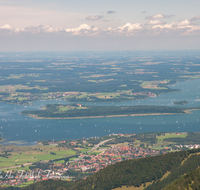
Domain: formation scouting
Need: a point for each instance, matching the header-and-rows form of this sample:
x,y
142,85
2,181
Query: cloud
x,y
183,23
31,29
155,22
39,29
183,27
127,29
192,30
111,12
175,25
158,16
6,27
82,29
94,17
166,26
195,18
153,27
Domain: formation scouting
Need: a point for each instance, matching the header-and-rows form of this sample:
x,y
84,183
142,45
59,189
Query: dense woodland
x,y
137,172
181,102
189,181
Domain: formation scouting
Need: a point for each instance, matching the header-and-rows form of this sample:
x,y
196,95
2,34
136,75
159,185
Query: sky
x,y
98,25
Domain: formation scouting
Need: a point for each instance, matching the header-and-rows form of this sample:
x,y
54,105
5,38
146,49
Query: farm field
x,y
22,154
82,79
171,135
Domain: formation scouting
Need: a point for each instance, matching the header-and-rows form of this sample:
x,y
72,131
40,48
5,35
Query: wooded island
x,y
65,111
181,102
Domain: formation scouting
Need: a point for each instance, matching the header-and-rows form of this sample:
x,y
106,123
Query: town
x,y
114,148
85,164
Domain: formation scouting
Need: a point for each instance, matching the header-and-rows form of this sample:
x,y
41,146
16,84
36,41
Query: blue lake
x,y
16,127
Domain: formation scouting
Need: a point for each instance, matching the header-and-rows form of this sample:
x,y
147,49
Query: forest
x,y
52,111
188,181
181,102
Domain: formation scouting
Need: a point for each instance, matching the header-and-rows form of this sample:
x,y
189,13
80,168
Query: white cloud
x,y
6,27
168,26
31,29
183,24
175,25
38,29
153,27
155,22
192,30
159,16
130,27
184,27
94,17
127,29
82,29
17,30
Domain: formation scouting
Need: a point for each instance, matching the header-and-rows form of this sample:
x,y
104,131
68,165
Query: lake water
x,y
16,128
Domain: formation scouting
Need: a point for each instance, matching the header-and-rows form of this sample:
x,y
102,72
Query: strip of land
x,y
87,117
57,111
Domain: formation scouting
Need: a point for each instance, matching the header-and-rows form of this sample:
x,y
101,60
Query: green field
x,y
22,154
97,153
63,108
171,135
84,149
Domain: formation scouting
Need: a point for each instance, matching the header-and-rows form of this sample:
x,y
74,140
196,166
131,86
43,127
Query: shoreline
x,y
108,116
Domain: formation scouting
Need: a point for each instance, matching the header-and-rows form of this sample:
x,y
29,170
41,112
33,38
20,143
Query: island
x,y
75,111
181,102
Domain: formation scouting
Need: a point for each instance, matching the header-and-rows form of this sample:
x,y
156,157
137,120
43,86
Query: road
x,y
97,146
